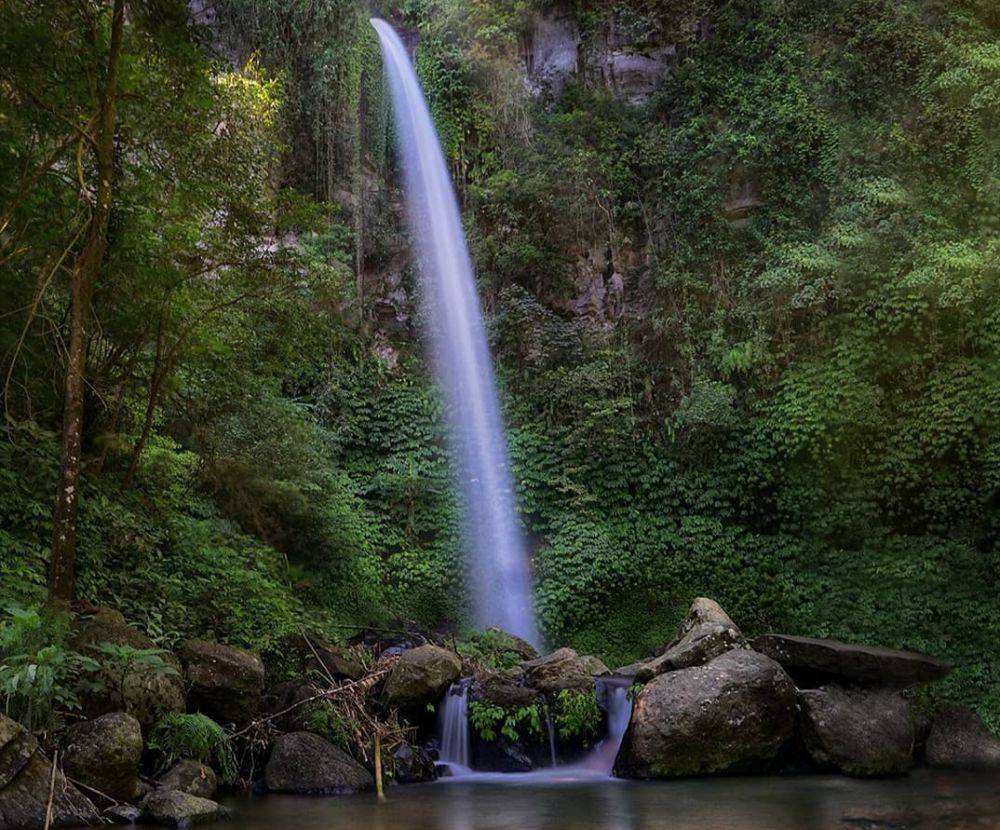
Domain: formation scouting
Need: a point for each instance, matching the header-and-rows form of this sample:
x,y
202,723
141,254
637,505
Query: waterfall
x,y
453,727
500,578
612,692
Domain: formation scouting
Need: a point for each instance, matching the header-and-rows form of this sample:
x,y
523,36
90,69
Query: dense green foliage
x,y
790,408
196,737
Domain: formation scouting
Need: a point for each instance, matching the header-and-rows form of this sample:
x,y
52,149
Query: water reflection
x,y
923,800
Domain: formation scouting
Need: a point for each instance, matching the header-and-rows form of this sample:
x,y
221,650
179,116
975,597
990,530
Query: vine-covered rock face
x,y
960,740
704,634
104,754
562,669
225,682
421,675
145,693
858,732
304,763
25,778
732,715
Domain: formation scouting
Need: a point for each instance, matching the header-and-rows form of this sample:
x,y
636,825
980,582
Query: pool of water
x,y
923,800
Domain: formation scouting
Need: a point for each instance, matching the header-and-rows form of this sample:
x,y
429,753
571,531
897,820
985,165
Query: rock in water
x,y
960,740
562,669
421,675
225,682
25,776
146,694
191,777
859,732
733,714
704,634
104,753
172,808
412,765
813,661
301,762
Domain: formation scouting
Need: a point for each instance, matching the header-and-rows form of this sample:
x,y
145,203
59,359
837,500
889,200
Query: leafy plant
x,y
577,715
196,737
491,721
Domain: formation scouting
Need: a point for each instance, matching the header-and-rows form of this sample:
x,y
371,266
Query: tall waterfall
x,y
500,578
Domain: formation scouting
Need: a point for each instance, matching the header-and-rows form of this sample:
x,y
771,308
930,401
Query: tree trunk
x,y
160,371
88,265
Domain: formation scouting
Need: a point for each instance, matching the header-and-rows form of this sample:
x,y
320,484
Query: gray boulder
x,y
960,740
858,732
301,762
25,777
733,714
225,682
813,661
171,808
122,814
499,690
421,675
145,693
704,634
191,777
104,754
562,669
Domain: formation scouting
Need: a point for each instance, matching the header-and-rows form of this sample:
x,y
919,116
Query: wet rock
x,y
859,732
25,778
704,634
225,683
122,814
172,808
511,642
960,740
562,669
733,714
290,699
502,691
412,765
301,762
421,675
813,661
145,693
191,777
104,754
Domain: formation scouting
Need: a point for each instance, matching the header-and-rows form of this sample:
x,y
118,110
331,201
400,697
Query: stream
x,y
925,799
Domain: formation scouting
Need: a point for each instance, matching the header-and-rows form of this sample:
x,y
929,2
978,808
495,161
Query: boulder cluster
x,y
709,702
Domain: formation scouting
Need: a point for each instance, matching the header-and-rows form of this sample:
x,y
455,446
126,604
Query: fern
x,y
196,737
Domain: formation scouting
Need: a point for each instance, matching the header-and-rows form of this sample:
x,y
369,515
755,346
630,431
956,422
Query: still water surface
x,y
922,801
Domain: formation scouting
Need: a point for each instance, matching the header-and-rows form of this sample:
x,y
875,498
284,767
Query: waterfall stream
x,y
500,576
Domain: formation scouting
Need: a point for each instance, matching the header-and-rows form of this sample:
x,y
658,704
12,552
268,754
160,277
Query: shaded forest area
x,y
746,320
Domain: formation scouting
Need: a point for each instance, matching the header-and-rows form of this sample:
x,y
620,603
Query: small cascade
x,y
453,728
612,693
552,736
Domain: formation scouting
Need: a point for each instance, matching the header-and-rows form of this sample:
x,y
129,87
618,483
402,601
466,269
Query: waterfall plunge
x,y
501,582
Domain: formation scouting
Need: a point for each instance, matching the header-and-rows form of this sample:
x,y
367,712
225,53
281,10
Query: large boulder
x,y
704,634
301,762
421,675
288,704
225,682
172,808
104,754
732,715
860,732
25,779
960,740
191,777
145,693
562,669
813,662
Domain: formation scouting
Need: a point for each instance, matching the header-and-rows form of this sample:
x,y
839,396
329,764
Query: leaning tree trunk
x,y
88,265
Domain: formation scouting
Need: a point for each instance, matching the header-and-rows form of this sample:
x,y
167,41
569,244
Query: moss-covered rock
x,y
104,754
421,675
301,762
225,683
